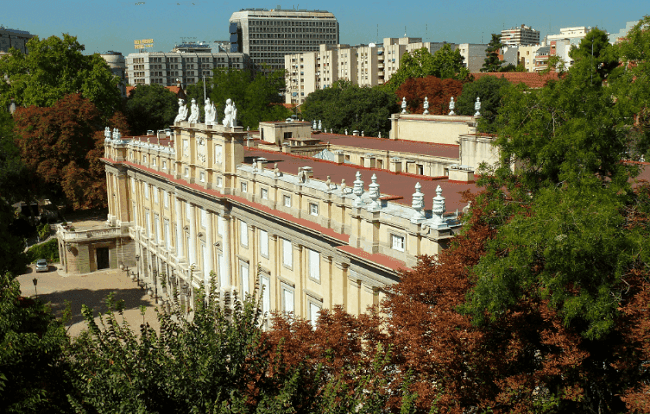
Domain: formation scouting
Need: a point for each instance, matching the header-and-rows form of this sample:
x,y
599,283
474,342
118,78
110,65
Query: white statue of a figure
x,y
426,105
182,111
194,116
210,112
404,105
230,114
107,133
477,106
452,105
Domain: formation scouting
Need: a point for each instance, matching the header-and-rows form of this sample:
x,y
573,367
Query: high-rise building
x,y
13,38
179,65
518,36
117,65
364,65
268,35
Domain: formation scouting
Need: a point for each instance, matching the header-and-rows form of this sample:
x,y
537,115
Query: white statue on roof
x,y
477,106
230,114
452,105
194,116
182,111
404,105
210,112
320,125
107,133
116,134
426,105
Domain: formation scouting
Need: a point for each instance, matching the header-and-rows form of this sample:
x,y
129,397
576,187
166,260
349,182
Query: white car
x,y
42,266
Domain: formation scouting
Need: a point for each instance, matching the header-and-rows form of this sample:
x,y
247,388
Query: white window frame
x,y
244,274
288,298
243,233
204,218
264,193
218,153
313,209
156,224
219,181
147,216
314,265
264,243
133,185
313,307
154,190
244,187
397,242
166,196
146,190
287,254
188,211
286,200
202,176
164,166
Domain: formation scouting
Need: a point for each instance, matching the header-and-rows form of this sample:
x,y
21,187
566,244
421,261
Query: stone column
x,y
179,228
192,246
226,252
298,270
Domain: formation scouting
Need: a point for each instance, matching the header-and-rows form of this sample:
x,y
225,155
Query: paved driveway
x,y
89,289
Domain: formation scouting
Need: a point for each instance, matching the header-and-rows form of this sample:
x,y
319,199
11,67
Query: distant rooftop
x,y
24,32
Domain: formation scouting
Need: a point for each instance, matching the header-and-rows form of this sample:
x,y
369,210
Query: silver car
x,y
41,265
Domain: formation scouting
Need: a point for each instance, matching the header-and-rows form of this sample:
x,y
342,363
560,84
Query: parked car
x,y
42,266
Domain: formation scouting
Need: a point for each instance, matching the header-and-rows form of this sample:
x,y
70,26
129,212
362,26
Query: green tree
x,y
492,62
445,63
490,90
15,181
595,58
53,68
347,106
150,107
32,368
255,94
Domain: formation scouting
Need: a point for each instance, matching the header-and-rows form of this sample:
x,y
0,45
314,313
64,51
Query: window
x,y
147,222
287,298
313,209
244,187
314,265
266,293
265,194
204,218
155,194
219,181
164,165
156,224
287,201
188,213
264,243
166,197
187,172
218,154
314,308
202,177
166,236
133,185
287,253
144,158
243,231
221,223
397,242
245,282
146,191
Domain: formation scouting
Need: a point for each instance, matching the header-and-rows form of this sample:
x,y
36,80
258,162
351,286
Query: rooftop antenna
x,y
377,32
426,32
404,31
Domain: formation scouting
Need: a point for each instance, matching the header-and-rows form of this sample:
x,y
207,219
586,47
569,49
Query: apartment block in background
x,y
517,36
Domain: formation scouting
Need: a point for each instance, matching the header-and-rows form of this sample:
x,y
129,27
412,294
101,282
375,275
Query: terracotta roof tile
x,y
530,79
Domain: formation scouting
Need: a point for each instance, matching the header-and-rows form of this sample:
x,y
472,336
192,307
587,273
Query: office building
x,y
13,38
518,36
268,35
187,63
117,64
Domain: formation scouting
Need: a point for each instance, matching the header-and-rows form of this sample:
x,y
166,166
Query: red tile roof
x,y
530,79
385,144
402,185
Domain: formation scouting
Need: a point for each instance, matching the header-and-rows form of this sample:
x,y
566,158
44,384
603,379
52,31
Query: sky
x,y
103,25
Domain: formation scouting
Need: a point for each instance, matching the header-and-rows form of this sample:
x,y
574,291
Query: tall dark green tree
x,y
347,106
490,90
492,62
56,67
150,107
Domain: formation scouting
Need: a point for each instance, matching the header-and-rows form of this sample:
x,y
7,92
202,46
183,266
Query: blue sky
x,y
104,25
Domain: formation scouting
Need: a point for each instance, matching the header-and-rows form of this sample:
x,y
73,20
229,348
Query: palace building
x,y
315,224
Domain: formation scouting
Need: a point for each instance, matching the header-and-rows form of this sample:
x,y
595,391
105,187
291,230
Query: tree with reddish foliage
x,y
62,146
438,91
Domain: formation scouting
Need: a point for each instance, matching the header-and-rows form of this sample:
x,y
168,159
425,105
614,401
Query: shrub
x,y
48,250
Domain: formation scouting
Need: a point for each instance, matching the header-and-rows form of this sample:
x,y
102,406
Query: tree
x,y
595,58
492,61
255,94
445,63
15,183
62,145
55,67
490,90
32,368
150,107
439,93
347,106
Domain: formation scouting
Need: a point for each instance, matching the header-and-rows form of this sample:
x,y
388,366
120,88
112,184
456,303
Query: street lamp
x,y
137,267
35,281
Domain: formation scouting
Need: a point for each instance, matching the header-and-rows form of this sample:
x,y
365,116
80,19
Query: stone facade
x,y
203,201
